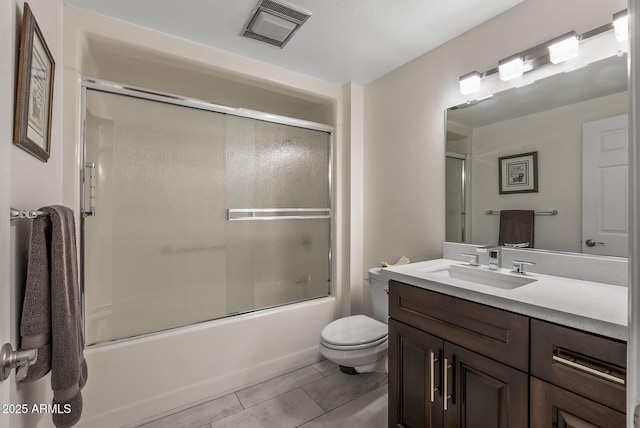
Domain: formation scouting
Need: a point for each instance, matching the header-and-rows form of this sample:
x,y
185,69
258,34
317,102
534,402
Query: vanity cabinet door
x,y
552,406
415,396
483,393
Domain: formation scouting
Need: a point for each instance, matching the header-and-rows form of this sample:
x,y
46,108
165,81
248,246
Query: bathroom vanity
x,y
508,361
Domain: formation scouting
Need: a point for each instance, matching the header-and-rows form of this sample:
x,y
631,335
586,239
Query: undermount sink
x,y
482,276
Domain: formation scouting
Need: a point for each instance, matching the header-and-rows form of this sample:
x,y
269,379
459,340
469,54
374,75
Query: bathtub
x,y
138,379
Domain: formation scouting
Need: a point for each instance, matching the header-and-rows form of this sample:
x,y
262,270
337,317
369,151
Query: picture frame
x,y
518,173
34,94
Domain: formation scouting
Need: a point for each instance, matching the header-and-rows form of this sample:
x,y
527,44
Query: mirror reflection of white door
x,y
605,184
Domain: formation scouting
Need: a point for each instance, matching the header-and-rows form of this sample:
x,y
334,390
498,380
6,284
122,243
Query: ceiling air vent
x,y
274,22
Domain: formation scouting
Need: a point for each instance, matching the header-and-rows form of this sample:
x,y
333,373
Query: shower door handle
x,y
278,214
92,190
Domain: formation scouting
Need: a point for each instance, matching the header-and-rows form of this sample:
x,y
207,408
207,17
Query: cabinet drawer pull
x,y
589,370
432,382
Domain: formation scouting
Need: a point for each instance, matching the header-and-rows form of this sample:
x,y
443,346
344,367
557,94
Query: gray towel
x,y
51,318
517,227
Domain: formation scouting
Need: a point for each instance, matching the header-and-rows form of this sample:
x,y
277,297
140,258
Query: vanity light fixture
x,y
470,83
510,68
621,25
564,47
274,22
553,51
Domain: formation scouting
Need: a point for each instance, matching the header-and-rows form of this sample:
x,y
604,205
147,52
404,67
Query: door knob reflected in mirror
x,y
592,243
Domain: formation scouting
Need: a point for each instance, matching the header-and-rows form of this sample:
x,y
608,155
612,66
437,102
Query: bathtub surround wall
x,y
405,125
225,354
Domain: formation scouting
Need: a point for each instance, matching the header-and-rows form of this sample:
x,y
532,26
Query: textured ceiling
x,y
343,41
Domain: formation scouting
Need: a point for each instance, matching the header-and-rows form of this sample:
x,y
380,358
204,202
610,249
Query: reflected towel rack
x,y
15,214
278,214
497,212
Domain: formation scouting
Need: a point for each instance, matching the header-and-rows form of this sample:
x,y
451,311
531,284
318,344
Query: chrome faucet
x,y
473,259
518,266
494,255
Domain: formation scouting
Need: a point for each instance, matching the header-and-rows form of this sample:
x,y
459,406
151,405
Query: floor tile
x,y
326,367
200,415
289,410
337,389
384,390
367,411
277,386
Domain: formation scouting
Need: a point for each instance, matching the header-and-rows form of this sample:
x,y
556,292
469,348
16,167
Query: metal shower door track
x,y
146,94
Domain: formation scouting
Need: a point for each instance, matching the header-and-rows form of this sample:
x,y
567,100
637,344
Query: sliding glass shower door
x,y
198,215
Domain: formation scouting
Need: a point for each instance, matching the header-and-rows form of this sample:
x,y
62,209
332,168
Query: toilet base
x,y
348,370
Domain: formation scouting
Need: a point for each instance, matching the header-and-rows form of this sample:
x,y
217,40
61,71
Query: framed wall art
x,y
518,173
34,95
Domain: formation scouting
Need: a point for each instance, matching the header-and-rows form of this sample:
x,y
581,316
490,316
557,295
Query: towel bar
x,y
15,214
497,212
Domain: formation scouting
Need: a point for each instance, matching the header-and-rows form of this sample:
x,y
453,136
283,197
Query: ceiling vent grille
x,y
274,23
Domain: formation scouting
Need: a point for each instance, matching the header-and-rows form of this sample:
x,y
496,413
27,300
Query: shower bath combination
x,y
194,212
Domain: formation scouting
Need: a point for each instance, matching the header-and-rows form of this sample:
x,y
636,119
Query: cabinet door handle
x,y
589,370
447,396
432,382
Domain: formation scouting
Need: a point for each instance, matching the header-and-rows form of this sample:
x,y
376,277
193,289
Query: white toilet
x,y
358,344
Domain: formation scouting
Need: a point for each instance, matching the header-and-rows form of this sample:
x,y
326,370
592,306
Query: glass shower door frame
x,y
232,214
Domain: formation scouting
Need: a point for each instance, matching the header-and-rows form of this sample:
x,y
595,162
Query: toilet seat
x,y
354,332
354,347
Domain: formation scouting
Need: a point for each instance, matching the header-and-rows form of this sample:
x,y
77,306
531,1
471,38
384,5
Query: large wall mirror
x,y
576,122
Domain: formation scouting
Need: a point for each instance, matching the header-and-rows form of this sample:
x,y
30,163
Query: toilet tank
x,y
379,296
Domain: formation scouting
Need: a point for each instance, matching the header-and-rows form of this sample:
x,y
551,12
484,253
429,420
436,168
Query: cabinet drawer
x,y
555,407
500,335
589,365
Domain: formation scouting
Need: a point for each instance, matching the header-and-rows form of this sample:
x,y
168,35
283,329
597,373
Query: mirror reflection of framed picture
x,y
32,128
518,173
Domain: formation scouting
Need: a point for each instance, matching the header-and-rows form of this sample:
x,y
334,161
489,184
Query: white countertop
x,y
590,306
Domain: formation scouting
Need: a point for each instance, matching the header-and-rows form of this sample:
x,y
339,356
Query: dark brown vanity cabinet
x,y
437,376
455,363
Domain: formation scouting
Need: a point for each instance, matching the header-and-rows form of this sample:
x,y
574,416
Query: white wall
x,y
556,135
7,32
353,172
404,170
134,65
33,184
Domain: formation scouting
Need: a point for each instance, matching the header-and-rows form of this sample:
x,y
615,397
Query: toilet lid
x,y
354,330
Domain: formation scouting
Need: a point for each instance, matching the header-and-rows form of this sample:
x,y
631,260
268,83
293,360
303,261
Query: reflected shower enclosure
x,y
197,214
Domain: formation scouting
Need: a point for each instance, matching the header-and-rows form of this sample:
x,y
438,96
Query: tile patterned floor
x,y
316,396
